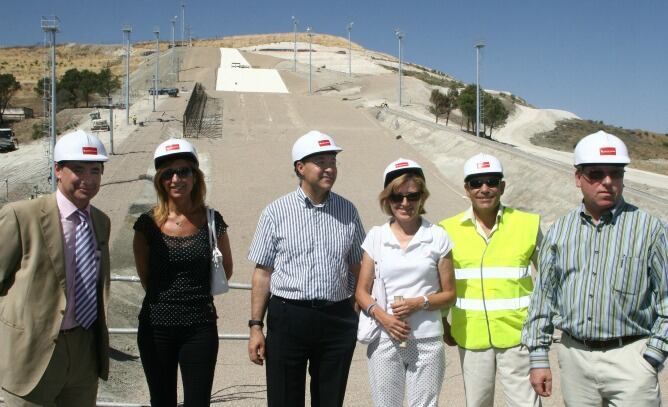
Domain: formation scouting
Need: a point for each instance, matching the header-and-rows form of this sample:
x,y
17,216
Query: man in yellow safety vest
x,y
494,246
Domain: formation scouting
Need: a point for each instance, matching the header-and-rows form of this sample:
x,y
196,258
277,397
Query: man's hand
x,y
447,336
256,346
541,381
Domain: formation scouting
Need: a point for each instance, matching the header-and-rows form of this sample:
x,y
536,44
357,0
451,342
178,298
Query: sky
x,y
600,59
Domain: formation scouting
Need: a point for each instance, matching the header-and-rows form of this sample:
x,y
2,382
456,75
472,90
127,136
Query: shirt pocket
x,y
631,275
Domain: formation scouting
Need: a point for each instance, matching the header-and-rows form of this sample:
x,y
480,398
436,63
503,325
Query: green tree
x,y
438,103
453,95
41,84
107,82
88,85
495,113
68,87
8,87
467,105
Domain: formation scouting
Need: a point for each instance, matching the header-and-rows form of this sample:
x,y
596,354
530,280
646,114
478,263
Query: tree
x,y
495,113
438,103
42,83
107,82
88,85
453,95
467,105
69,85
8,87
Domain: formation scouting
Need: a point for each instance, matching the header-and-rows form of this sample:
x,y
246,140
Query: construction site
x,y
243,107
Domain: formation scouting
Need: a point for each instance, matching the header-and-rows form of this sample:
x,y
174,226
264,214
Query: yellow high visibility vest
x,y
493,280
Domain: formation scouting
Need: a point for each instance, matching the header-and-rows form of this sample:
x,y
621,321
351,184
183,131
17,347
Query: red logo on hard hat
x,y
484,164
173,147
608,151
324,143
401,164
89,150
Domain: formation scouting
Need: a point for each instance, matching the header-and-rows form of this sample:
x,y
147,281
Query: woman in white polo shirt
x,y
414,259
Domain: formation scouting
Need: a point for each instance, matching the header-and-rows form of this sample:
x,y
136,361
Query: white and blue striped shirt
x,y
309,247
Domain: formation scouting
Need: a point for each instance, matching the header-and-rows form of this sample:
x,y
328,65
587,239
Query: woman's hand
x,y
402,309
395,327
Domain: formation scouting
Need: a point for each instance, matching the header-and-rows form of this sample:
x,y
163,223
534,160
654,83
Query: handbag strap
x,y
210,220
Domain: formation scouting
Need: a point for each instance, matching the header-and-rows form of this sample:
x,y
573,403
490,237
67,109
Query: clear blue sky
x,y
601,59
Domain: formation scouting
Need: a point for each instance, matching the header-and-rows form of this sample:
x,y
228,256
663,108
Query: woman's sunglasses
x,y
183,172
492,182
412,197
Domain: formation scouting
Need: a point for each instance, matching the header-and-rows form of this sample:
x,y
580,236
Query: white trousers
x,y
480,367
418,369
617,377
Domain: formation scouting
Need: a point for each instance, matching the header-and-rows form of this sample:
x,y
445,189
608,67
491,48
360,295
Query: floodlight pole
x,y
183,23
156,31
350,50
127,29
294,31
478,46
173,20
400,37
310,41
50,25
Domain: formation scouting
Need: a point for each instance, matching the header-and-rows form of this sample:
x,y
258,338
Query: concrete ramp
x,y
236,75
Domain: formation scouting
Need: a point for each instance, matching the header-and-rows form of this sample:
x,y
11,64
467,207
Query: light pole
x,y
156,31
183,22
127,29
350,50
400,36
294,31
310,41
51,25
478,46
173,29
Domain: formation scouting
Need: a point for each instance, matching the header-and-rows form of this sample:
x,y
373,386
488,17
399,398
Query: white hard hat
x,y
79,146
313,142
399,167
482,164
601,148
172,149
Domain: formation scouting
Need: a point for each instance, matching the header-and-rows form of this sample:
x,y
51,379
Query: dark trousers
x,y
194,349
324,337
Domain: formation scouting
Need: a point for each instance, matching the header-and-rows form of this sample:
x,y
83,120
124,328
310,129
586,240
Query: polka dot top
x,y
179,288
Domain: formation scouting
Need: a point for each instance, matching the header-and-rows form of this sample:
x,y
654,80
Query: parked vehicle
x,y
99,125
165,91
8,141
94,115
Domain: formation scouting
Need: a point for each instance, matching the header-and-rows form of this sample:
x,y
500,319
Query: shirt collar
x,y
470,217
423,234
305,201
609,216
66,207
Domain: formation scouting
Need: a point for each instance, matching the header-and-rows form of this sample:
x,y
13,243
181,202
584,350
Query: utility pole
x,y
110,105
127,29
294,31
50,25
400,36
350,50
478,46
310,41
183,23
173,20
156,31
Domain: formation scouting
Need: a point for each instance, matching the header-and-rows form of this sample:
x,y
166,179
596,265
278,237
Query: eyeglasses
x,y
490,182
183,172
597,175
412,197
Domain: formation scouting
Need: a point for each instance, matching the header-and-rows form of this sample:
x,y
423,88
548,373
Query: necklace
x,y
180,221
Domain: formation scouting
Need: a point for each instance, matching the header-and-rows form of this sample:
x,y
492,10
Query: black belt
x,y
606,343
308,303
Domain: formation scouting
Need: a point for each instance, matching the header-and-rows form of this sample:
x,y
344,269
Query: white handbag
x,y
368,329
219,283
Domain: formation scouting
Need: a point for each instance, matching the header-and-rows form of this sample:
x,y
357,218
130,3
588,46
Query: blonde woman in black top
x,y
177,321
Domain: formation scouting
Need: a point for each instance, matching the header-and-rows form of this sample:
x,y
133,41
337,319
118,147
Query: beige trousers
x,y
70,379
480,367
617,377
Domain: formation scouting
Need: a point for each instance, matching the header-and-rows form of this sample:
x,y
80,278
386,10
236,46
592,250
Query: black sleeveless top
x,y
178,292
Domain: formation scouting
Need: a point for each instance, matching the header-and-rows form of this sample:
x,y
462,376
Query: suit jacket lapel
x,y
53,236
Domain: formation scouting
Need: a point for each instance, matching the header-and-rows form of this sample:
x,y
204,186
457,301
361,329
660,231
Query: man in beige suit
x,y
54,285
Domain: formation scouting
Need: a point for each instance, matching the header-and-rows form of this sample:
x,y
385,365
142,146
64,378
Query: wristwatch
x,y
254,322
425,304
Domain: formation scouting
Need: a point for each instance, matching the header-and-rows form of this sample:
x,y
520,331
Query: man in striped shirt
x,y
307,251
603,281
